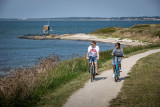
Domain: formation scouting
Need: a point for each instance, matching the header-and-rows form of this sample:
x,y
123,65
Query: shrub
x,y
140,26
104,30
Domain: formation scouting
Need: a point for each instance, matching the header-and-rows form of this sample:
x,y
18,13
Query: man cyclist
x,y
93,52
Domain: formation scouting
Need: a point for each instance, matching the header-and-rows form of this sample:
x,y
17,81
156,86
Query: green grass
x,y
59,96
157,33
142,87
104,30
140,26
59,83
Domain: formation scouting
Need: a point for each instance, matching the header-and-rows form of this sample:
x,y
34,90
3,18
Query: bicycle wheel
x,y
116,76
92,73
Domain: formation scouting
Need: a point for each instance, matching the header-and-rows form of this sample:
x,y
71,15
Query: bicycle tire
x,y
116,76
92,73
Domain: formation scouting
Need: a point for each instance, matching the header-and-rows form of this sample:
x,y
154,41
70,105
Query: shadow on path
x,y
123,78
100,78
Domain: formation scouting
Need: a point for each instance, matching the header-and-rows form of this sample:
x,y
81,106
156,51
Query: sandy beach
x,y
90,37
86,37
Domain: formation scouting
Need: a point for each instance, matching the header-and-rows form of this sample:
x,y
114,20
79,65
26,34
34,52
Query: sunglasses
x,y
92,44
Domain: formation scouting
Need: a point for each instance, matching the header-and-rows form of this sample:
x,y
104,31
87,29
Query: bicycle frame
x,y
117,73
92,70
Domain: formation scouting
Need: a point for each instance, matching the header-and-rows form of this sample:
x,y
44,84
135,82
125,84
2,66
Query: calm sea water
x,y
15,52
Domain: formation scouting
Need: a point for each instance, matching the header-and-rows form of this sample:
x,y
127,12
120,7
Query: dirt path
x,y
101,91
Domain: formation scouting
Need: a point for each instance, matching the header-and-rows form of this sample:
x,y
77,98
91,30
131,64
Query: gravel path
x,y
101,91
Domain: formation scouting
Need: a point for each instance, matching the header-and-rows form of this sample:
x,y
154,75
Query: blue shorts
x,y
90,59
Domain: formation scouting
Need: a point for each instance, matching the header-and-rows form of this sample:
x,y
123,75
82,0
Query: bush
x,y
104,30
140,26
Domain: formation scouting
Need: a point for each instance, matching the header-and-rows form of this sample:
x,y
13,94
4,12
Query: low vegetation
x,y
141,88
51,80
105,30
145,32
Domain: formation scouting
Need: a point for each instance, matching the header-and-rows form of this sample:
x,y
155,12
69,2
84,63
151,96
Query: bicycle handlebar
x,y
118,55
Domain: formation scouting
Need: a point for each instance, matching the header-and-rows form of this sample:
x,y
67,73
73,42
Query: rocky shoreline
x,y
83,37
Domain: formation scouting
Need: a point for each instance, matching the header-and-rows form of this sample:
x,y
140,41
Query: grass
x,y
140,26
58,97
141,89
54,86
144,32
104,30
157,33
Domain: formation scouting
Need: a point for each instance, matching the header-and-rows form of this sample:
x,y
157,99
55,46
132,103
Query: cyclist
x,y
119,50
93,52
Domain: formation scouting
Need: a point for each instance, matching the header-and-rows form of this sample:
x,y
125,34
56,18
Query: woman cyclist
x,y
117,50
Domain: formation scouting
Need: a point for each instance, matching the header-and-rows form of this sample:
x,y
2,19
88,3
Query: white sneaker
x,y
113,76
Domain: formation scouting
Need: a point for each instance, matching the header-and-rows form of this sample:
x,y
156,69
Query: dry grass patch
x,y
144,32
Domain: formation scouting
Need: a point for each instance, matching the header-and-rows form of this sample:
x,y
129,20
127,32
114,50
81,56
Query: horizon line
x,y
84,17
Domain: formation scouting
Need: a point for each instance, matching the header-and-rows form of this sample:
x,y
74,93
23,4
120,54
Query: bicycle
x,y
92,70
117,71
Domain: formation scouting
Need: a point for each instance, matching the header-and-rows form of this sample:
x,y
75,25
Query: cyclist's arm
x,y
89,49
113,52
97,50
88,55
97,54
122,52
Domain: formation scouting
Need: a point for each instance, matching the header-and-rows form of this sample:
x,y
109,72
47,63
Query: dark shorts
x,y
90,59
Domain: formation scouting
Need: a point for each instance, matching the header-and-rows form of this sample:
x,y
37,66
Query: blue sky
x,y
78,8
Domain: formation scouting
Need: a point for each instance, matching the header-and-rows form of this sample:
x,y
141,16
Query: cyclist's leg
x,y
89,63
96,65
119,64
114,67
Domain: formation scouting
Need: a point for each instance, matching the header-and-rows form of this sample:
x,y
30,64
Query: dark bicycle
x,y
117,71
92,70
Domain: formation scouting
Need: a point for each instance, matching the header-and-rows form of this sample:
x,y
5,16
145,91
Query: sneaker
x,y
120,70
97,74
113,76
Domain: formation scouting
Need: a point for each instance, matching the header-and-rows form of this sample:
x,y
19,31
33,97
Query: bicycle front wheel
x,y
116,76
92,73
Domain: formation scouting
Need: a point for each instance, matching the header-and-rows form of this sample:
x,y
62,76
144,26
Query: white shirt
x,y
93,51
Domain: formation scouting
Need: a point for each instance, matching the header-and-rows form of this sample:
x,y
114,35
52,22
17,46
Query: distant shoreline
x,y
143,18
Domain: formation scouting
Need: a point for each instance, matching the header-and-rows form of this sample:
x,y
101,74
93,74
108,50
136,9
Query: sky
x,y
78,8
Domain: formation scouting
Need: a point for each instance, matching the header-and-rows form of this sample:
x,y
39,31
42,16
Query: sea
x,y
21,53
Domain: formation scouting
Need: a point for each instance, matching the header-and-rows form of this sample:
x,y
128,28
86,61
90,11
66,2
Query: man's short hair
x,y
94,42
